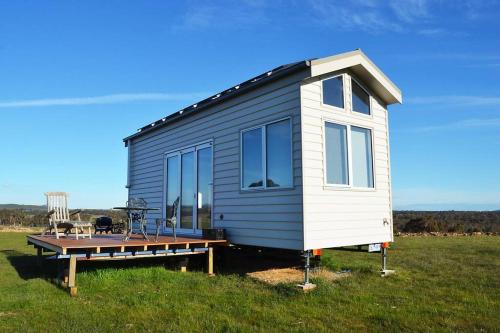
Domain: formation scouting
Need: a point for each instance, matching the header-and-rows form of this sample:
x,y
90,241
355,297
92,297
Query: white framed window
x,y
337,160
332,92
266,156
362,157
360,98
348,156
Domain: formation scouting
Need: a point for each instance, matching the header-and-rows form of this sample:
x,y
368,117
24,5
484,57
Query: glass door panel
x,y
204,194
172,183
187,190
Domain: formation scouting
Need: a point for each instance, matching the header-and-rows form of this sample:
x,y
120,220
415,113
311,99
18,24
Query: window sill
x,y
349,188
266,189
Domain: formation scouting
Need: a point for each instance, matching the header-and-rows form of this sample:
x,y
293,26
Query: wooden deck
x,y
115,243
113,247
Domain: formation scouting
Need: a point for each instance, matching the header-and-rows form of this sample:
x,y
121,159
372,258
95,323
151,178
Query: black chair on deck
x,y
103,224
172,220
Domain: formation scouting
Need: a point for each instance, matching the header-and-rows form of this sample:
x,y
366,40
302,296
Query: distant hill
x,y
31,208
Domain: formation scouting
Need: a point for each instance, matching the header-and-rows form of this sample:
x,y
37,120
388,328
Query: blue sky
x,y
78,76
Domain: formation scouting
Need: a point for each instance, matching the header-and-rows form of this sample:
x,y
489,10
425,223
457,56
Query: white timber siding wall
x,y
270,218
336,217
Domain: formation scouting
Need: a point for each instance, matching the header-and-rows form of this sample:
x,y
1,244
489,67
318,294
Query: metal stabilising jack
x,y
306,286
384,271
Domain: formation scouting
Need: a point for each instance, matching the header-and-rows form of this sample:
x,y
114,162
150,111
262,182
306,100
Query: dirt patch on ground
x,y
294,275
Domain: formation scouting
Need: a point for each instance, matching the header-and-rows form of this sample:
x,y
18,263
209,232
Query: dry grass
x,y
294,275
11,228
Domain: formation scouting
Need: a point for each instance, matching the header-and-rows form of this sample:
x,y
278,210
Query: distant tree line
x,y
29,218
447,221
404,221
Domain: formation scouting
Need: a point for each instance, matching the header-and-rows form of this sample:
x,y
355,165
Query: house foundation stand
x,y
384,271
210,261
307,286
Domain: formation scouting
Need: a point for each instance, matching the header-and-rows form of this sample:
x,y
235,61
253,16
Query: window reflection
x,y
279,154
187,190
172,183
360,99
333,92
336,154
252,158
362,161
204,203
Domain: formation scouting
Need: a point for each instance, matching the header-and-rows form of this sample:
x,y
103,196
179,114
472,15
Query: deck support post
x,y
384,271
65,277
210,261
60,273
306,286
183,264
39,256
72,276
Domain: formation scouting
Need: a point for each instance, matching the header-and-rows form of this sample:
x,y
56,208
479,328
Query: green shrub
x,y
422,225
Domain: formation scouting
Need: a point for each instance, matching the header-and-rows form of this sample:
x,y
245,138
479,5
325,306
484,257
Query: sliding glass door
x,y
189,178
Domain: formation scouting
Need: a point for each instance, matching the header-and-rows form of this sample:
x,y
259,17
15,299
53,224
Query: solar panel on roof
x,y
228,92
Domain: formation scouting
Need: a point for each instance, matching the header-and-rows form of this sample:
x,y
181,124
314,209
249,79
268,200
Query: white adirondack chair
x,y
60,217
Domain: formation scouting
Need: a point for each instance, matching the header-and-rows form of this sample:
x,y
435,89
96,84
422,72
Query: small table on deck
x,y
136,214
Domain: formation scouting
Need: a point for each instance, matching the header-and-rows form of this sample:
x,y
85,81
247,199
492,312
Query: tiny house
x,y
295,158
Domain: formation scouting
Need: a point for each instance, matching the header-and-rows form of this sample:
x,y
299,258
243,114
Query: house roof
x,y
355,60
364,69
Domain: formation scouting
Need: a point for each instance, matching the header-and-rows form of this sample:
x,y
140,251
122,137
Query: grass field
x,y
442,284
